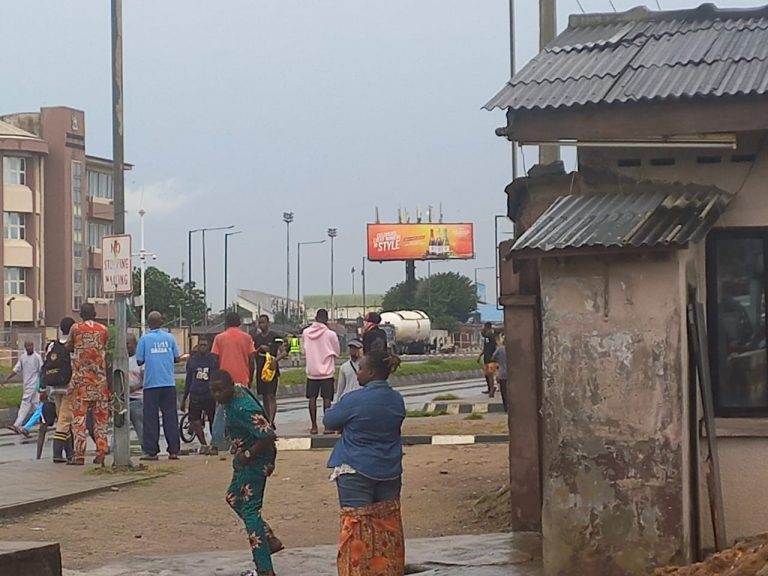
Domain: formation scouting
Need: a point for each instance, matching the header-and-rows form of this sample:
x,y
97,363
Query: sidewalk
x,y
483,555
33,485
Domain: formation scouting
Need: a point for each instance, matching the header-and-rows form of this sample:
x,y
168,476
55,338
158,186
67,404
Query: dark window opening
x,y
709,159
743,158
736,306
662,161
629,162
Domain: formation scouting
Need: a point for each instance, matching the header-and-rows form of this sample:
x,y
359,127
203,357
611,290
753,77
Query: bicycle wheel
x,y
185,429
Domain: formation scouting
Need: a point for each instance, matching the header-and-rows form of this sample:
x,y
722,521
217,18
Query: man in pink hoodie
x,y
321,348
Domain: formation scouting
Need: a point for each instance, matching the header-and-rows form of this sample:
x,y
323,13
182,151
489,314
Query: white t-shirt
x,y
135,377
29,366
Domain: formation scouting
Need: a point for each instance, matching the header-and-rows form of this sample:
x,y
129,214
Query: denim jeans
x,y
356,491
136,413
218,429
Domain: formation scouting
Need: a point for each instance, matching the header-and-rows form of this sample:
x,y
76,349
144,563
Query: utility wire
x,y
658,3
612,5
580,6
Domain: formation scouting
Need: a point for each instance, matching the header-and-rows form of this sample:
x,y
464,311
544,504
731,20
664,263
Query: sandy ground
x,y
457,424
447,490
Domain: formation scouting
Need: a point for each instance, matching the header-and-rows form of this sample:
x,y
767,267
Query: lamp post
x,y
205,273
9,304
298,271
142,255
332,233
353,280
287,218
362,275
189,252
226,264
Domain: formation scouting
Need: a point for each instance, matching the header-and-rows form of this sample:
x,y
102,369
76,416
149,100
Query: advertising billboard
x,y
420,242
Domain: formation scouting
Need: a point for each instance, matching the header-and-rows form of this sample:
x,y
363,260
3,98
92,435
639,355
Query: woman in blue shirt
x,y
367,467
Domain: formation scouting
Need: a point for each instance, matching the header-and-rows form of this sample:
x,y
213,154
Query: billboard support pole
x,y
410,276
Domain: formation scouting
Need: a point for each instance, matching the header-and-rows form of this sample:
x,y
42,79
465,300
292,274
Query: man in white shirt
x,y
135,388
28,366
348,371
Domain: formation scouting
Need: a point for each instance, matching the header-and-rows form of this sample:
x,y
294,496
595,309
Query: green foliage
x,y
165,294
474,416
448,298
445,398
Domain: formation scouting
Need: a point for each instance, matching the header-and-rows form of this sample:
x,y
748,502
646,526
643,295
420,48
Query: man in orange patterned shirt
x,y
88,389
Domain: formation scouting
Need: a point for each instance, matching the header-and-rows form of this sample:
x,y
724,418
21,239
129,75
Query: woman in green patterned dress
x,y
253,445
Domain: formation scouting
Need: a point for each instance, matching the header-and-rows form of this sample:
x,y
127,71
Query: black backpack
x,y
57,368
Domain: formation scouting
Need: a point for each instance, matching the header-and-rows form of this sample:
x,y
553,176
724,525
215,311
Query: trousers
x,y
63,413
29,401
99,410
156,401
246,497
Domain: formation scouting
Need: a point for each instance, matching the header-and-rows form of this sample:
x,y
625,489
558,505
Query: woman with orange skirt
x,y
367,468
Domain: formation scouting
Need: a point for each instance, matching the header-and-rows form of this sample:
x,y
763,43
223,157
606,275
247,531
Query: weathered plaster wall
x,y
614,417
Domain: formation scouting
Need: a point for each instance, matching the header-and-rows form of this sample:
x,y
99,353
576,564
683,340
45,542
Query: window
x,y
14,170
13,225
96,233
736,305
93,288
15,281
100,185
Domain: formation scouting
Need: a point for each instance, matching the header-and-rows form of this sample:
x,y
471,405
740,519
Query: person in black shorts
x,y
197,390
321,347
489,367
268,342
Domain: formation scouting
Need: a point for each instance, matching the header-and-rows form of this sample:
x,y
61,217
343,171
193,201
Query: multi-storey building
x,y
57,205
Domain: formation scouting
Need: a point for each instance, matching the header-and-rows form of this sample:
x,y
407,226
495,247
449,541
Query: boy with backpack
x,y
55,376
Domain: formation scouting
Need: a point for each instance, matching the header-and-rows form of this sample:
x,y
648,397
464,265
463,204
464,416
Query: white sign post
x,y
116,269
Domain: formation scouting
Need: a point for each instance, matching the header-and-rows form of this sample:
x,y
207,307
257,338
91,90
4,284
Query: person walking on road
x,y
489,368
268,342
28,366
235,353
367,464
253,446
500,359
374,338
321,347
56,375
197,390
348,371
135,387
295,350
88,390
158,352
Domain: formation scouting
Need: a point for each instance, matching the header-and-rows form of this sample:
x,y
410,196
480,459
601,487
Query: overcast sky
x,y
237,111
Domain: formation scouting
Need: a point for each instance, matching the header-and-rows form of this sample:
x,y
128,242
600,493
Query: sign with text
x,y
116,269
420,242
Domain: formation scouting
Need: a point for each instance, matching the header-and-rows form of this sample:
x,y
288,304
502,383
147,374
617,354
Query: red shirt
x,y
234,349
89,361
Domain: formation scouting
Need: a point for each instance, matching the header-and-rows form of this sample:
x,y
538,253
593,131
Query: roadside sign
x,y
116,269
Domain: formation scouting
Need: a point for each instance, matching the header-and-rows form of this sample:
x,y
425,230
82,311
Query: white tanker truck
x,y
409,331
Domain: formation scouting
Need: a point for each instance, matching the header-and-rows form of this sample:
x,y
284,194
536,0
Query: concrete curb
x,y
463,408
20,508
328,442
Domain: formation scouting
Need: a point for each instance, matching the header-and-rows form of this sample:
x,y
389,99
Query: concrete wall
x,y
616,486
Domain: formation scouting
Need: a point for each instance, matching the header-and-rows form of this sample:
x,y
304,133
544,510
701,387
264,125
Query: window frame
x,y
730,233
21,227
21,281
21,171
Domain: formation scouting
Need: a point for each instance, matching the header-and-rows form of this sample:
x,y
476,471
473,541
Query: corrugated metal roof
x,y
641,56
621,220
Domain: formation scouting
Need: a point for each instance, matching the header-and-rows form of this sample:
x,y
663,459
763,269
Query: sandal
x,y
313,432
76,462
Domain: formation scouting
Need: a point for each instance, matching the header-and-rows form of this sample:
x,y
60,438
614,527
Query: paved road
x,y
292,418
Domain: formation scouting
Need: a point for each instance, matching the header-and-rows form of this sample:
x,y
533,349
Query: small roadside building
x,y
668,112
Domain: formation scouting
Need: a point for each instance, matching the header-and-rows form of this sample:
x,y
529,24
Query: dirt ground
x,y
457,424
447,490
748,558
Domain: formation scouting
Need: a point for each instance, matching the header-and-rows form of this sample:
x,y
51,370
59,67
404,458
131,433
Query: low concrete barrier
x,y
30,559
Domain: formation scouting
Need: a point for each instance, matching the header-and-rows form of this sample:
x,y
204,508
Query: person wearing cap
x,y
348,371
374,338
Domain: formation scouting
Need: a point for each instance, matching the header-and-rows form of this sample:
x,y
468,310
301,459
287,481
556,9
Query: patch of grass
x,y
474,416
136,470
424,413
445,398
10,396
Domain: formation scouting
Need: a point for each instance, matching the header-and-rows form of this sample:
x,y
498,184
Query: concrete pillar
x,y
547,33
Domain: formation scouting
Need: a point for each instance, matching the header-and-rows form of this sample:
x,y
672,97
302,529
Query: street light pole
x,y
205,271
189,253
226,264
287,218
362,274
298,272
332,233
122,447
353,280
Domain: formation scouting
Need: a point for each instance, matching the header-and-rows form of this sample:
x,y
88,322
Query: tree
x,y
448,298
166,294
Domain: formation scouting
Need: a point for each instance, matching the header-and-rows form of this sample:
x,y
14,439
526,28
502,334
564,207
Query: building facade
x,y
665,216
61,201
